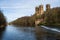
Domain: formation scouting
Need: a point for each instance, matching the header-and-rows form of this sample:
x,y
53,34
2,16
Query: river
x,y
17,33
27,33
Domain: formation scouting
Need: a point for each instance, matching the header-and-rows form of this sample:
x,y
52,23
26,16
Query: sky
x,y
13,9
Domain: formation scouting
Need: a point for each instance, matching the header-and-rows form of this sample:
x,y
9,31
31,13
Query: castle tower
x,y
37,11
41,9
47,7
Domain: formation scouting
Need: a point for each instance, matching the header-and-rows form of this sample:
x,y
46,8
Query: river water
x,y
17,33
26,33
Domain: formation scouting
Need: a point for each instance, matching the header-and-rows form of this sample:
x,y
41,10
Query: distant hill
x,y
24,21
51,17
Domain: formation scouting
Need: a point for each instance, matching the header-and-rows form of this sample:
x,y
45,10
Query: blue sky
x,y
14,9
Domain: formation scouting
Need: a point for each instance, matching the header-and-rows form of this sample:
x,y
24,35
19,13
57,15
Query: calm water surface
x,y
28,33
18,33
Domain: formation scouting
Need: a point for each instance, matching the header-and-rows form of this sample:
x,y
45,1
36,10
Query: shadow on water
x,y
2,32
42,34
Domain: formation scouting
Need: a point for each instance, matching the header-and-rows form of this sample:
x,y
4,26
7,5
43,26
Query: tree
x,y
2,19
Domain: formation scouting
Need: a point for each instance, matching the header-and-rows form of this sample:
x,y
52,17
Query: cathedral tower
x,y
41,9
37,11
47,7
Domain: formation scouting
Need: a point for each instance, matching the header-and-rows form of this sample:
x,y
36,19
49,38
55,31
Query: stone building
x,y
39,11
47,7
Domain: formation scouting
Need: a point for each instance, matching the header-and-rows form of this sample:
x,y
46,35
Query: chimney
x,y
47,7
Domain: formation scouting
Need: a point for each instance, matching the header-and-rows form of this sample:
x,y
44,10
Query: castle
x,y
39,11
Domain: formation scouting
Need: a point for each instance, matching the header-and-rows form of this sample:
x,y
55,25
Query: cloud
x,y
23,7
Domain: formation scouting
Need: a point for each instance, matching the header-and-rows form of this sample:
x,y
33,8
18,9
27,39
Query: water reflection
x,y
17,33
27,33
40,34
43,34
2,32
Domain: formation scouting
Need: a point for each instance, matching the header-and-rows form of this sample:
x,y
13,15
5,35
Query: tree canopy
x,y
2,19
